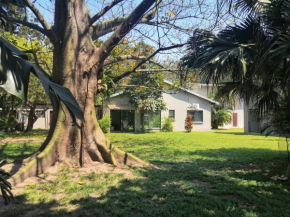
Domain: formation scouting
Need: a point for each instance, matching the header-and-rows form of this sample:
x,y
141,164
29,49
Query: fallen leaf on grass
x,y
30,184
80,183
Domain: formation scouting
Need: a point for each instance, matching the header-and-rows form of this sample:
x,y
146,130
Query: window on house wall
x,y
172,114
40,113
152,120
197,115
99,114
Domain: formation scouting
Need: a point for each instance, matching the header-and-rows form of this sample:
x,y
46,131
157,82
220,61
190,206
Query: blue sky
x,y
175,37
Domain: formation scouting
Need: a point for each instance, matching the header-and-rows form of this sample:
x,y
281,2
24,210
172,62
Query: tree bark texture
x,y
31,118
77,66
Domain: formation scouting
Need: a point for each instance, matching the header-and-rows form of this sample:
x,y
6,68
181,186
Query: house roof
x,y
192,92
181,88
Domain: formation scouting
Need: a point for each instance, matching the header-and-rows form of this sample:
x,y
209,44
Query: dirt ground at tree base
x,y
52,173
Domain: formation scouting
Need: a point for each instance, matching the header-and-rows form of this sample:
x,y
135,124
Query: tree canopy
x,y
250,59
83,35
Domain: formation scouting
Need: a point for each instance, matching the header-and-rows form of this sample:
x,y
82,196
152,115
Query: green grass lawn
x,y
218,173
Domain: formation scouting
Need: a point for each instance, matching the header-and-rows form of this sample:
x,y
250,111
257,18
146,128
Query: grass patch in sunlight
x,y
217,173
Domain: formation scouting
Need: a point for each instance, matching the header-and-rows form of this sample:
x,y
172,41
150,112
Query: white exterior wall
x,y
239,108
251,124
203,89
41,122
121,102
240,118
181,103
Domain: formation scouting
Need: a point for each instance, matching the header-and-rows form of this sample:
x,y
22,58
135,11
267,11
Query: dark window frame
x,y
147,115
172,116
194,116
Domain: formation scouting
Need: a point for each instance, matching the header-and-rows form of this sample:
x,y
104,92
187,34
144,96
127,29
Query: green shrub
x,y
105,124
220,116
167,124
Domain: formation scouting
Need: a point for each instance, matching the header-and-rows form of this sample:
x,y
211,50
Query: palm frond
x,y
285,9
228,54
244,6
15,70
243,33
5,186
278,119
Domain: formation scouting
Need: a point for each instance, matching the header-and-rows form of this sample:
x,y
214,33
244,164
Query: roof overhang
x,y
120,107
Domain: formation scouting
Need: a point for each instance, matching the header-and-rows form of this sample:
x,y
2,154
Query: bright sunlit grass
x,y
217,173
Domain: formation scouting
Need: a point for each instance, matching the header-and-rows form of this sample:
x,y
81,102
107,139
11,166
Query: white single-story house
x,y
125,117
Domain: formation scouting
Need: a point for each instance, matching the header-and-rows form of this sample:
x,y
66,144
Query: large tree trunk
x,y
31,118
77,66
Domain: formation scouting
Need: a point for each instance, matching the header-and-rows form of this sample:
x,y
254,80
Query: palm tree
x,y
249,60
220,116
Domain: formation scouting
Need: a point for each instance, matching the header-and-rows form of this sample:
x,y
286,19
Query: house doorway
x,y
123,120
235,119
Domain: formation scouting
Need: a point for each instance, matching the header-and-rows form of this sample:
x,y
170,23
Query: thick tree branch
x,y
105,27
42,20
125,74
104,10
124,28
110,61
34,56
28,24
38,15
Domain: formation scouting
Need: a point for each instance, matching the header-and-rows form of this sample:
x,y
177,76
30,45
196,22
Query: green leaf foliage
x,y
167,124
220,116
146,93
249,60
105,124
278,120
14,77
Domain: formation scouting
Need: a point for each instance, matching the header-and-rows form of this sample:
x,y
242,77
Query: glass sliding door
x,y
128,120
152,120
123,120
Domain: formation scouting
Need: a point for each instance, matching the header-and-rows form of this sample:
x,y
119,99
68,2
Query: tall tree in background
x,y
78,65
145,93
249,60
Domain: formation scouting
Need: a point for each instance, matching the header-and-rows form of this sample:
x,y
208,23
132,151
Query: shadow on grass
x,y
223,182
16,152
239,133
36,133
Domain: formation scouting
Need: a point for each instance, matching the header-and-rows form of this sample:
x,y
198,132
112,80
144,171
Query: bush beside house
x,y
167,124
105,124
